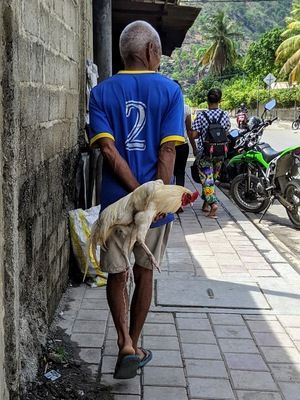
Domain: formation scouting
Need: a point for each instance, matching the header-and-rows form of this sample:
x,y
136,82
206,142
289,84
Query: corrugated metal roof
x,y
170,19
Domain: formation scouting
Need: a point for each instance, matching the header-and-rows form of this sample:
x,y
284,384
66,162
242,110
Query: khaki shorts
x,y
113,262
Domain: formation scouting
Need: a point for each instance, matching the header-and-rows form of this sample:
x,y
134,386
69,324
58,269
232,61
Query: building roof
x,y
171,20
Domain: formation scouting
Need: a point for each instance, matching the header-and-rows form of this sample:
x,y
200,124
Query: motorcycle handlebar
x,y
252,134
270,121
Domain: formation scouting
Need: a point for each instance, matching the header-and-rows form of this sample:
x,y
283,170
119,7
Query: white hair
x,y
135,36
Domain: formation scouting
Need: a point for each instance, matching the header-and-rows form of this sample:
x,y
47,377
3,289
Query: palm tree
x,y
288,53
222,52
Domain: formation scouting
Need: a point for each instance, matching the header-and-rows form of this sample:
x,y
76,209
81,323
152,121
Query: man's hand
x,y
119,165
159,216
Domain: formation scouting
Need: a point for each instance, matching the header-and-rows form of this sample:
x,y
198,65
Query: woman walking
x,y
209,155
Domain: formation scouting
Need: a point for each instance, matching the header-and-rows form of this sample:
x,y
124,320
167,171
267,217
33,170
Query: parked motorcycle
x,y
296,123
228,172
270,175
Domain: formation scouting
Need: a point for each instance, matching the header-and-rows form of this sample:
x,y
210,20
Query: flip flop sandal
x,y
147,357
126,367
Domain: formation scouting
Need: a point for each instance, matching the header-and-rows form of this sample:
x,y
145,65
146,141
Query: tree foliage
x,y
260,58
221,33
288,53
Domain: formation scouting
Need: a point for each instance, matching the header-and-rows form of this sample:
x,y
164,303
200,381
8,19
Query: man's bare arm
x,y
166,161
117,163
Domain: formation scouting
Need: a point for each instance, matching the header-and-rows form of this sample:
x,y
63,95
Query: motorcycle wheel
x,y
295,125
248,200
292,195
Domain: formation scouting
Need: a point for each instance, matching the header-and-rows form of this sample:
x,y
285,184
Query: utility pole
x,y
102,32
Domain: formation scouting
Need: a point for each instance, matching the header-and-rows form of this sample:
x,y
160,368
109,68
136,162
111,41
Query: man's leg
x,y
117,298
156,240
208,187
140,304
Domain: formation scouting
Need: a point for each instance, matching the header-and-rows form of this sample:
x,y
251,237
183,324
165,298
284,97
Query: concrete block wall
x,y
3,386
46,45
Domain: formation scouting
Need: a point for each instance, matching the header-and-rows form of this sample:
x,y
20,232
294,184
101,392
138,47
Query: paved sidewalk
x,y
224,323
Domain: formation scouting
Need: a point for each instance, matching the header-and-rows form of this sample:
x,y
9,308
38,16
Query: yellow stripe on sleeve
x,y
173,138
101,136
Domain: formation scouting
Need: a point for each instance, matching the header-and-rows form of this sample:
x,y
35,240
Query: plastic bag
x,y
81,222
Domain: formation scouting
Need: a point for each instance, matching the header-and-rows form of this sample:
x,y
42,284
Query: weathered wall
x,y
46,43
3,388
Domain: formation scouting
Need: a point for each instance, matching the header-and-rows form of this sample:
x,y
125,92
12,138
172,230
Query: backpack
x,y
215,143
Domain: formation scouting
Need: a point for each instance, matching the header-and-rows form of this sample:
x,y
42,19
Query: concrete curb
x,y
277,244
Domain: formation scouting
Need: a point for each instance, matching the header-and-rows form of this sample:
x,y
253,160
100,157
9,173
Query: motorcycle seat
x,y
268,152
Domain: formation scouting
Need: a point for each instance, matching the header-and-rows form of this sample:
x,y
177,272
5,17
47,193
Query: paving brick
x,y
290,390
166,358
165,393
291,321
294,333
273,339
191,315
260,273
95,293
88,339
265,326
201,351
297,344
108,364
90,356
286,372
94,304
210,388
253,380
76,292
159,330
154,376
111,333
124,386
250,362
238,346
205,368
92,315
226,319
259,317
160,318
161,342
193,324
246,395
110,348
81,326
281,355
231,331
66,324
197,337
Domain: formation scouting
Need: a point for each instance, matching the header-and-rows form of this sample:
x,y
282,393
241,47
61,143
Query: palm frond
x,y
292,67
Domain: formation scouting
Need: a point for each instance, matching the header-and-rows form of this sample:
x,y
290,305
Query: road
x,y
276,224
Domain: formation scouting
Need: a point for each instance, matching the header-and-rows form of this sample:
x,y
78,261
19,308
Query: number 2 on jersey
x,y
132,143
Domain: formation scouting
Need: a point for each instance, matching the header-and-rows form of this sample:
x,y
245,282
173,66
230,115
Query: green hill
x,y
252,18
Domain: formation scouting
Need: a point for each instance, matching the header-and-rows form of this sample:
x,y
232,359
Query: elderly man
x,y
136,119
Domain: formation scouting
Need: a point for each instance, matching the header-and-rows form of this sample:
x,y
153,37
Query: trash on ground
x,y
52,375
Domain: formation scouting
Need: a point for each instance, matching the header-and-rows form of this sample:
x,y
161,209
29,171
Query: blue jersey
x,y
139,110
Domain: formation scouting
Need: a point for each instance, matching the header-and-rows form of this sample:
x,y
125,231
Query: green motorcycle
x,y
268,175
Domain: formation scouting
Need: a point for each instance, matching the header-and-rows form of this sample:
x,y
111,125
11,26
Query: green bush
x,y
244,91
